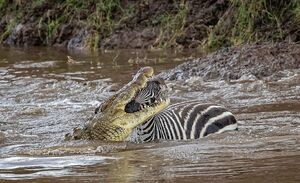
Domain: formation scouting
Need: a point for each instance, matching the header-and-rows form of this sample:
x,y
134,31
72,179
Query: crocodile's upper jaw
x,y
112,123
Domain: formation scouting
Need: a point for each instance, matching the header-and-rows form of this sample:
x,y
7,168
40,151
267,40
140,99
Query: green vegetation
x,y
8,29
2,4
296,12
37,3
249,21
103,20
171,26
99,17
238,21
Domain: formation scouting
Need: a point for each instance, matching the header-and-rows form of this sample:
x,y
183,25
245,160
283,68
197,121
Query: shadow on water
x,y
42,97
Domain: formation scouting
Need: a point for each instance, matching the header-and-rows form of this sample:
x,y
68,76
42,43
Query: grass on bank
x,y
245,21
99,17
171,26
248,21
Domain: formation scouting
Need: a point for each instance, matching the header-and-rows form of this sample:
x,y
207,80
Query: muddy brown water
x,y
42,97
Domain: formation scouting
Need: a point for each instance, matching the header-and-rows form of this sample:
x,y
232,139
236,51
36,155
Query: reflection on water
x,y
42,97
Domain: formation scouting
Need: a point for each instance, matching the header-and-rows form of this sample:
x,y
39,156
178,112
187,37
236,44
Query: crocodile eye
x,y
100,108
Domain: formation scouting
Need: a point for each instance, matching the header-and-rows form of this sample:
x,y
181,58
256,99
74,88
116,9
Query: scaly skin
x,y
112,123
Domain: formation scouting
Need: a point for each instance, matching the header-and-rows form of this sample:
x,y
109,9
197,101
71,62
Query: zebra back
x,y
187,120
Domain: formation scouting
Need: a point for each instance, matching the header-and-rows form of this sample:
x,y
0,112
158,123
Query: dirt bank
x,y
206,24
249,62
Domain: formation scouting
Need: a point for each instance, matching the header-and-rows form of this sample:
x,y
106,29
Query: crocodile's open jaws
x,y
120,114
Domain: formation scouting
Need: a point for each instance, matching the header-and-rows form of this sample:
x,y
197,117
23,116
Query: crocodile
x,y
113,121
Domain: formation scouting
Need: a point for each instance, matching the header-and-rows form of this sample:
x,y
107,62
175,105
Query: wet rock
x,y
25,34
255,61
71,36
3,24
78,42
12,39
65,34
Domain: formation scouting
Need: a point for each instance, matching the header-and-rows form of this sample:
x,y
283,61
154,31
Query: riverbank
x,y
206,25
247,62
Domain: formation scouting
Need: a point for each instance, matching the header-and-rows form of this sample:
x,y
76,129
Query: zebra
x,y
186,120
180,121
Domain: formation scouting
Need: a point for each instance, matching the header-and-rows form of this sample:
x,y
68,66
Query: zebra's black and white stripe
x,y
186,120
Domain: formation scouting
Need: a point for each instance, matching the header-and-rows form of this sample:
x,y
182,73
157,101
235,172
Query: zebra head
x,y
151,95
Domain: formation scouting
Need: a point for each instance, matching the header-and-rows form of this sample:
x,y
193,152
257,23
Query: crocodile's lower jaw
x,y
140,117
119,128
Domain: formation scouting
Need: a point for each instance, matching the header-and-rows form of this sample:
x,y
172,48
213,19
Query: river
x,y
43,97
